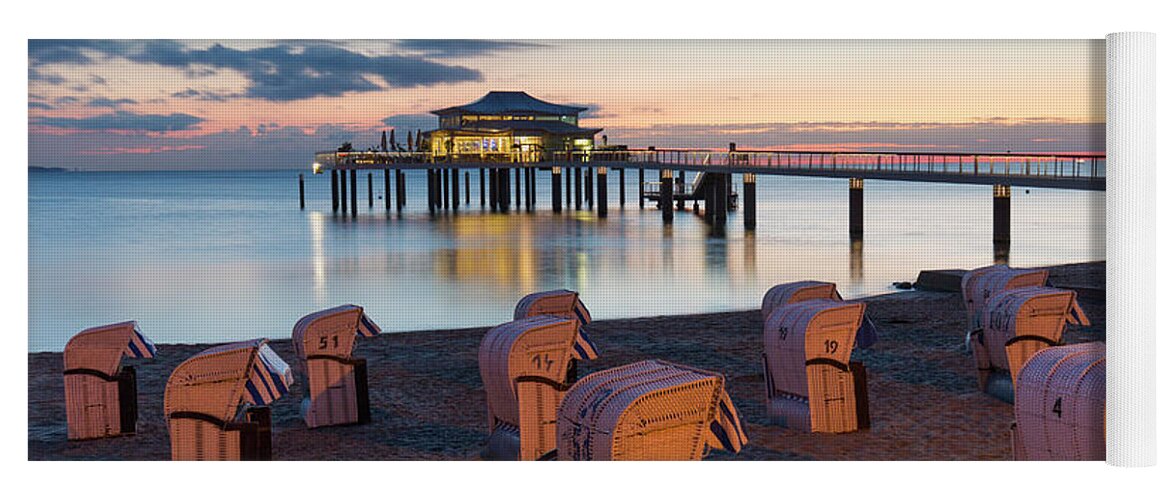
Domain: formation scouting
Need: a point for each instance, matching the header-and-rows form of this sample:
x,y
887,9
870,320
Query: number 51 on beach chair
x,y
101,397
338,390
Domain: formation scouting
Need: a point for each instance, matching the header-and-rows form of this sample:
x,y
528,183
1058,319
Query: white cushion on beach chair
x,y
337,386
811,384
1018,323
799,291
650,410
101,397
1060,404
979,285
524,365
205,395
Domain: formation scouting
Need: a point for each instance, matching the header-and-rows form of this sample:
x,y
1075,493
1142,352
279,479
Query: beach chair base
x,y
792,411
351,407
503,444
998,384
99,406
196,436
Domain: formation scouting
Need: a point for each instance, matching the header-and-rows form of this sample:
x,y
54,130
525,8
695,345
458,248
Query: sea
x,y
218,256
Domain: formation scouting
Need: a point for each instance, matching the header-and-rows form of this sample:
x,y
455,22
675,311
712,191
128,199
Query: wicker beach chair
x,y
810,382
798,291
101,397
216,402
561,303
979,285
338,392
1060,404
650,410
524,365
1017,323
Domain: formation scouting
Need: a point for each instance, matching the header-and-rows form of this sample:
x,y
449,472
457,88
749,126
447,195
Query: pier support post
x,y
622,188
519,197
492,184
455,189
531,175
333,188
666,195
749,202
556,191
467,188
641,182
720,215
400,189
446,188
386,188
481,188
369,189
503,191
354,193
602,209
1001,214
301,188
342,191
431,191
856,214
589,187
577,188
680,205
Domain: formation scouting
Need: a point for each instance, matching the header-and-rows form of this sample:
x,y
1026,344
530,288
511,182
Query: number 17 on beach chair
x,y
216,402
101,397
338,391
524,365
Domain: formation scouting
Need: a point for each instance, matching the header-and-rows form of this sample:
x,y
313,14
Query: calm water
x,y
218,256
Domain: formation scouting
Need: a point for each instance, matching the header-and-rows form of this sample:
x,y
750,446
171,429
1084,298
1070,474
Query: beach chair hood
x,y
818,331
217,381
1060,405
562,303
1032,314
799,291
651,410
332,332
101,348
979,285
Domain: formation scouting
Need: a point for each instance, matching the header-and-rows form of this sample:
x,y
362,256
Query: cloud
x,y
35,75
40,105
122,121
103,102
204,95
463,48
412,122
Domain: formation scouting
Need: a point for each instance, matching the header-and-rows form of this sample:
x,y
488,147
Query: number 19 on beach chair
x,y
1060,404
1017,323
650,410
524,365
799,291
979,285
338,391
101,397
810,381
216,402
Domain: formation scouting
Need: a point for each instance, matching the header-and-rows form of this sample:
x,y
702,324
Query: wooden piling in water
x,y
400,189
369,189
577,188
386,188
333,188
481,188
354,193
467,188
720,217
455,189
856,212
430,190
556,191
1001,214
446,188
504,190
749,202
602,209
301,188
491,189
342,191
666,195
622,188
519,199
403,193
682,204
589,187
641,194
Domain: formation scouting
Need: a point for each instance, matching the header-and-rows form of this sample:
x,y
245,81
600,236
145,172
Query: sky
x,y
240,104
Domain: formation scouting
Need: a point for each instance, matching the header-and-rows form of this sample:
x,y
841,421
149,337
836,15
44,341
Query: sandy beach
x,y
427,401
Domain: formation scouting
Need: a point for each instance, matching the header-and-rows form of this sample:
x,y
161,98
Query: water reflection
x,y
856,260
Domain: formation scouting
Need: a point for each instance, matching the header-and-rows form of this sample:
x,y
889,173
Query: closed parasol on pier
x,y
216,402
524,365
798,291
650,410
101,396
338,391
1060,406
979,285
810,382
1017,324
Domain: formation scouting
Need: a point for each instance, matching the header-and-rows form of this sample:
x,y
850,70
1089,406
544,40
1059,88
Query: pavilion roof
x,y
510,102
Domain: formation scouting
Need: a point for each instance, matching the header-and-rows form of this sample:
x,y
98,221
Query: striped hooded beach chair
x,y
216,402
979,285
101,396
562,303
798,291
811,383
338,392
650,410
1060,406
1017,323
524,365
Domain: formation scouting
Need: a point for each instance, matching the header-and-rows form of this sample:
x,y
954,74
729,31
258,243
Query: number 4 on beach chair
x,y
101,397
338,391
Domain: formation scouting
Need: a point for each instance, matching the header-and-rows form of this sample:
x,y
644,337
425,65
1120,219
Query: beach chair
x,y
650,410
338,391
810,381
524,365
101,397
979,285
798,291
216,402
1017,323
563,303
1060,406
